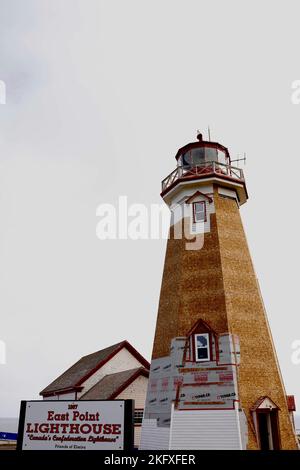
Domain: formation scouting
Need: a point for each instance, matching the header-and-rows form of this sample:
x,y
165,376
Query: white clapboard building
x,y
116,372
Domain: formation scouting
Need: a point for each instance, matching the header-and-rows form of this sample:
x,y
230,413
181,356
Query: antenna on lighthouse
x,y
240,159
208,133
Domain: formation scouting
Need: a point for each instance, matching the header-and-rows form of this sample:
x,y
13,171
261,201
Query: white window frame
x,y
204,347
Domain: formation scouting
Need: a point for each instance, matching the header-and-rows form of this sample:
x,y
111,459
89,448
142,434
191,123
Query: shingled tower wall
x,y
216,285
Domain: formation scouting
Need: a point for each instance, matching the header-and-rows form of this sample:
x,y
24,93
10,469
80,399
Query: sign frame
x,y
128,441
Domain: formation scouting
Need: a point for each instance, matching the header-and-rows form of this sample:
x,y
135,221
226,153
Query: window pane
x,y
198,156
202,353
138,416
199,217
199,207
187,159
211,155
202,341
221,157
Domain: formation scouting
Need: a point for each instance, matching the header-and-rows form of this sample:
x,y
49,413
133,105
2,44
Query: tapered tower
x,y
215,381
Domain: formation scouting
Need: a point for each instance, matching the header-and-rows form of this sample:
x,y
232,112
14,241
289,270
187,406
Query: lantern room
x,y
201,162
202,153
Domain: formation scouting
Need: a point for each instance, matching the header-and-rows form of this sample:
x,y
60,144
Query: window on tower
x,y
199,211
198,156
202,347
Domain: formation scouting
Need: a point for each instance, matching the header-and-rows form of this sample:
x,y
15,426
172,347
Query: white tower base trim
x,y
197,430
154,437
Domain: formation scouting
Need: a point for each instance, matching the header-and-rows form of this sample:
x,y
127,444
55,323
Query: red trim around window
x,y
198,193
194,218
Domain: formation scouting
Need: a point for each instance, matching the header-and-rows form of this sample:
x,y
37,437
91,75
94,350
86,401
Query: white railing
x,y
203,169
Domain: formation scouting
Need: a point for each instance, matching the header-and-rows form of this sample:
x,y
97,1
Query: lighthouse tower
x,y
215,382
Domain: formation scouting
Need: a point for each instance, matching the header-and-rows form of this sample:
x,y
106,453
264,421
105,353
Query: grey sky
x,y
100,95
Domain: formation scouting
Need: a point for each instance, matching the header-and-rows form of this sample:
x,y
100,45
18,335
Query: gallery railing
x,y
206,168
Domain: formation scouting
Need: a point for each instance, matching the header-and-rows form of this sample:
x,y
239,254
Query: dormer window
x,y
202,347
199,211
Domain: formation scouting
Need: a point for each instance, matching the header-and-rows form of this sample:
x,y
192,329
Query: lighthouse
x,y
215,381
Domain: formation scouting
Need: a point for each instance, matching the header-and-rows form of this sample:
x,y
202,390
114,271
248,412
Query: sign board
x,y
76,425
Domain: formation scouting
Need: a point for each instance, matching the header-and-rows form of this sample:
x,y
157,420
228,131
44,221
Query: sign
x,y
76,425
8,436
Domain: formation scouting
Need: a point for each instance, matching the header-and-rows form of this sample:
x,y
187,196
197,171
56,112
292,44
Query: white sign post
x,y
75,425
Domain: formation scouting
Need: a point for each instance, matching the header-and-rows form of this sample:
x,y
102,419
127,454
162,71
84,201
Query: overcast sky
x,y
100,95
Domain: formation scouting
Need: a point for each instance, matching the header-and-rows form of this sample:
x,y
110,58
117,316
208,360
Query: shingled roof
x,y
72,378
113,384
